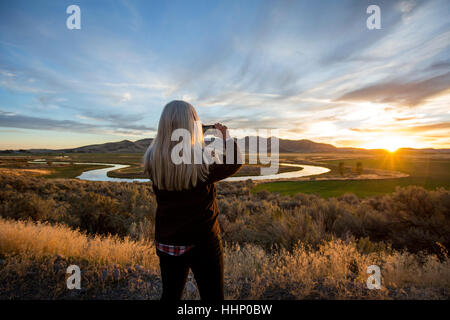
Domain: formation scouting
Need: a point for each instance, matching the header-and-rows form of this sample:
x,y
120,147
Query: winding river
x,y
102,174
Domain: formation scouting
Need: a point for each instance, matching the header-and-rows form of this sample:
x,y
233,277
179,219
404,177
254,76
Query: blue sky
x,y
310,69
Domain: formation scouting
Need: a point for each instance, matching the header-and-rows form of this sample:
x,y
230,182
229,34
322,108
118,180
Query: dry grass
x,y
36,240
337,270
412,218
24,172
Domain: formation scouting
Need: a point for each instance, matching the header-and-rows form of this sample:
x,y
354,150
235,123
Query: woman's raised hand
x,y
223,129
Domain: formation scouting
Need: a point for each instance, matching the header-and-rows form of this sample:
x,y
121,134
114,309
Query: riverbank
x,y
102,174
380,174
137,172
94,171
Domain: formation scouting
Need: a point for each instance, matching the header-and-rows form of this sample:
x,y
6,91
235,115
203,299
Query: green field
x,y
428,171
117,158
70,170
50,169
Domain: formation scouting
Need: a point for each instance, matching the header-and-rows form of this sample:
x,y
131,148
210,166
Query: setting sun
x,y
391,143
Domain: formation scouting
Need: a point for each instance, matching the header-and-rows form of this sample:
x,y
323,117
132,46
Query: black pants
x,y
206,262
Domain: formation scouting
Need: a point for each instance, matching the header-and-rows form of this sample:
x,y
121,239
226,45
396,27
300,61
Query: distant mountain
x,y
124,146
425,150
305,146
285,146
288,146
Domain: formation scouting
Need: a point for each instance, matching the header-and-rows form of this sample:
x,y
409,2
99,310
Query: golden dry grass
x,y
336,270
23,172
338,266
36,239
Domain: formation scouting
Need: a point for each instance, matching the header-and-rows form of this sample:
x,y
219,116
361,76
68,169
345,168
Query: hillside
x,y
139,146
124,146
285,146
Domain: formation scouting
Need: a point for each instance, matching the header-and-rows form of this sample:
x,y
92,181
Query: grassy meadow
x,y
430,171
276,246
67,170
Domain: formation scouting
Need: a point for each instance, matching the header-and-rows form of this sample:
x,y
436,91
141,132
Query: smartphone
x,y
206,127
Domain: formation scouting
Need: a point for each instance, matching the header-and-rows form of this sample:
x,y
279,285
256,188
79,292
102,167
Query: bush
x,y
411,218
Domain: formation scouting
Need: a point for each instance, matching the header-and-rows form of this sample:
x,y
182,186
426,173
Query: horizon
x,y
133,141
253,65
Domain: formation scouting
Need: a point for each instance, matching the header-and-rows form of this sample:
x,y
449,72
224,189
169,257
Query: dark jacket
x,y
189,217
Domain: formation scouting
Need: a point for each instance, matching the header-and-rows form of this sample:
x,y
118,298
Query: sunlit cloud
x,y
265,65
403,93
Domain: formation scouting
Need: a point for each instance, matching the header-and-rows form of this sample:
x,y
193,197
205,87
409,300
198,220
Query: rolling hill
x,y
285,146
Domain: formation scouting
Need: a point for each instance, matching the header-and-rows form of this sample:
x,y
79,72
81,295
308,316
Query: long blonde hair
x,y
157,159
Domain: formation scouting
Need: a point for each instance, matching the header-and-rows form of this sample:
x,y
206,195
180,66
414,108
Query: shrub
x,y
411,218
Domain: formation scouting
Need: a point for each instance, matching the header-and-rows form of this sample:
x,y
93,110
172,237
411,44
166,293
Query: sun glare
x,y
391,144
392,148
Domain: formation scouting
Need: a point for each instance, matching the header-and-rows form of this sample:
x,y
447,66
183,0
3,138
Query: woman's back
x,y
189,216
187,233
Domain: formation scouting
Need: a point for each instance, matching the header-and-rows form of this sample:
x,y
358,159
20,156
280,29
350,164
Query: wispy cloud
x,y
8,119
399,92
311,69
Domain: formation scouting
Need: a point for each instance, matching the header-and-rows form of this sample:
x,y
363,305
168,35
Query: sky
x,y
304,69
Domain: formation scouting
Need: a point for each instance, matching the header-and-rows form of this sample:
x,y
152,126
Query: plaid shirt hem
x,y
172,250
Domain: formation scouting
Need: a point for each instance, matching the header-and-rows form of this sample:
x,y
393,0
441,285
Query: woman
x,y
187,234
